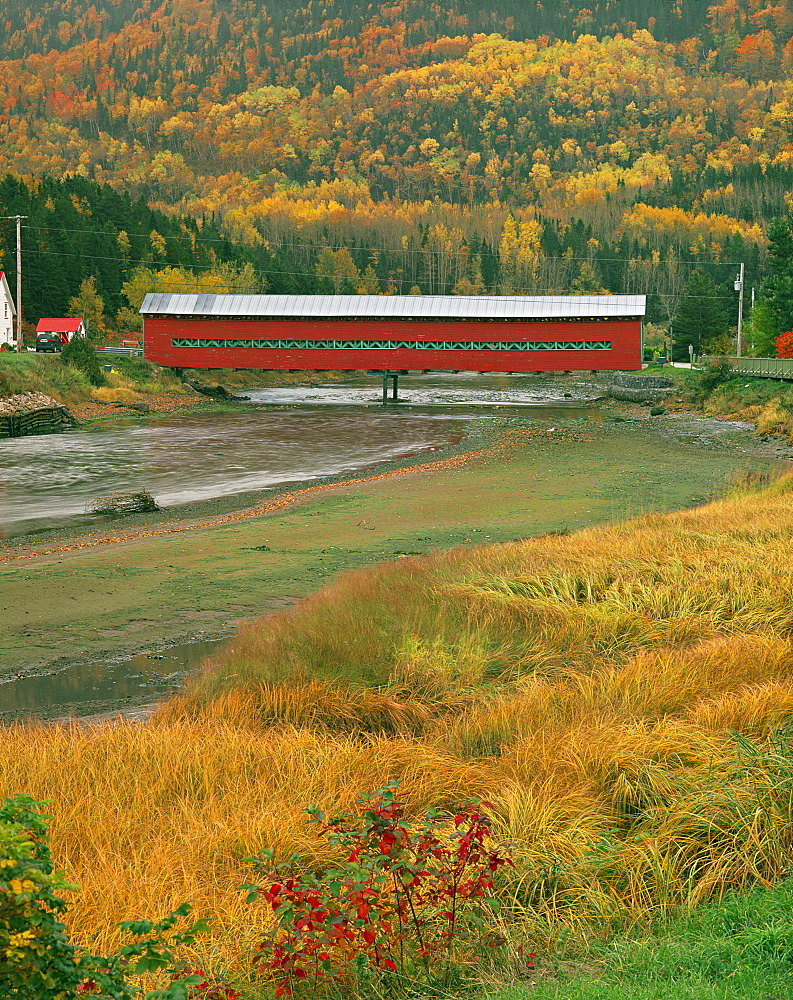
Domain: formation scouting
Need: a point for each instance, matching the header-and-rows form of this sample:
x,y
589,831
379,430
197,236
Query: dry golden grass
x,y
775,418
147,816
599,689
115,394
770,416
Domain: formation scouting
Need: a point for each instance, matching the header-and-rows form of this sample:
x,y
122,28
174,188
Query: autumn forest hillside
x,y
426,148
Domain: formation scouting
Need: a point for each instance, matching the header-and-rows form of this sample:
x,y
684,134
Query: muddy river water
x,y
46,481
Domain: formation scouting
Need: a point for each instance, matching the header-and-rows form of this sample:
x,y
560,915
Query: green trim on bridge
x,y
392,345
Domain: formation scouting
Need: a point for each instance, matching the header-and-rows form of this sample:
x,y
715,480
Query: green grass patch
x,y
145,376
47,373
741,392
740,949
677,375
42,373
721,393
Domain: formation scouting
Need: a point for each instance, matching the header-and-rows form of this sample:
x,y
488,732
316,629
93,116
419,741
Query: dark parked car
x,y
48,342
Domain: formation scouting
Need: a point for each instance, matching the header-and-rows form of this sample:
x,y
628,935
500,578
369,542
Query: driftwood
x,y
122,503
213,391
33,413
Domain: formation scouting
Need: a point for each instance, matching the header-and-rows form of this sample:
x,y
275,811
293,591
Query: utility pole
x,y
751,307
18,219
739,290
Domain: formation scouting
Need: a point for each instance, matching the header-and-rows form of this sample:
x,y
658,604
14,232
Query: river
x,y
46,481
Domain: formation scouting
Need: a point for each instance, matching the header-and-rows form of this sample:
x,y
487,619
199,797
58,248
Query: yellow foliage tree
x,y
89,306
520,256
337,271
224,279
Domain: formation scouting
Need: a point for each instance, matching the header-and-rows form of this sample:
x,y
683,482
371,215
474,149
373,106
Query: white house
x,y
7,312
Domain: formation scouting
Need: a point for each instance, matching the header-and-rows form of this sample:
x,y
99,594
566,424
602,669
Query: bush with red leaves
x,y
206,988
406,902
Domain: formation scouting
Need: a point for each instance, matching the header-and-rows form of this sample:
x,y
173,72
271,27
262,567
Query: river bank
x,y
133,385
197,570
590,685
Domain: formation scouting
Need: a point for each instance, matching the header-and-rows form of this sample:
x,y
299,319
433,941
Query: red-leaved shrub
x,y
405,902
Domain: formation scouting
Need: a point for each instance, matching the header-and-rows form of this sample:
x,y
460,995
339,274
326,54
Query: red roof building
x,y
67,326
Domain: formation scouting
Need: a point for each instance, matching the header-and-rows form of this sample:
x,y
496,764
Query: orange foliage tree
x,y
784,345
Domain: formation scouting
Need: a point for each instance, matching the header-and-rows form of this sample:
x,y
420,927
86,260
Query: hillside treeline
x,y
309,91
320,38
401,147
563,124
76,229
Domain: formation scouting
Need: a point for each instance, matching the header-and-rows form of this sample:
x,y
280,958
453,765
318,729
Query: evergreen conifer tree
x,y
760,330
700,318
778,288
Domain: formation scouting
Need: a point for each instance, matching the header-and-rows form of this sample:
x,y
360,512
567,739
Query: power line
x,y
379,249
115,235
219,263
402,280
128,262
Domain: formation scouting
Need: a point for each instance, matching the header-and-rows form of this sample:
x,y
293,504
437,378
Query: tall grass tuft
x,y
620,696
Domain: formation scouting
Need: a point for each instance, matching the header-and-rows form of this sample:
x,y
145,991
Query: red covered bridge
x,y
395,333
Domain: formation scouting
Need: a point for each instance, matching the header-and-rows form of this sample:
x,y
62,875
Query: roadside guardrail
x,y
759,367
130,352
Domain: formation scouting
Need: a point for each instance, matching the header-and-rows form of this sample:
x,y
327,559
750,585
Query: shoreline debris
x,y
140,502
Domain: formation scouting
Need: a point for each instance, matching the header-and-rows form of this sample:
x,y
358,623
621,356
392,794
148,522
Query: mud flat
x,y
196,571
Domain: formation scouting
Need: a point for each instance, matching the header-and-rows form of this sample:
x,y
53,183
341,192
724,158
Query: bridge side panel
x,y
578,345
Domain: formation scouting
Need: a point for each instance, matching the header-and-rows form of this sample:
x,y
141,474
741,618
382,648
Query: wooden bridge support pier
x,y
395,392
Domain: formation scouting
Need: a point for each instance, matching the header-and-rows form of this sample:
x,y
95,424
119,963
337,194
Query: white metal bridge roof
x,y
428,307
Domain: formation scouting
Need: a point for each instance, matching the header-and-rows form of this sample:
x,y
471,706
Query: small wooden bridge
x,y
781,368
